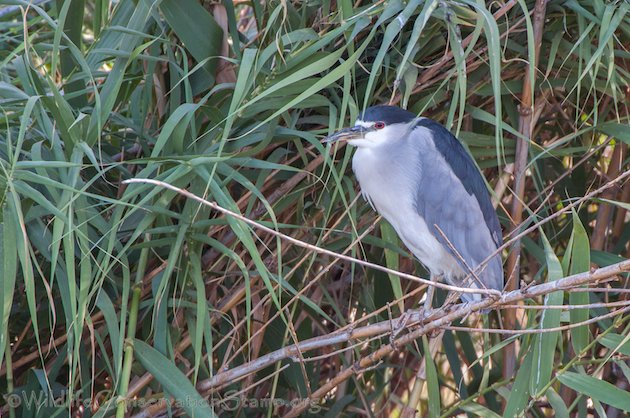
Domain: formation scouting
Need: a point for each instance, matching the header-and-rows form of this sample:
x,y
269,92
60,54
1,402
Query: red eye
x,y
379,125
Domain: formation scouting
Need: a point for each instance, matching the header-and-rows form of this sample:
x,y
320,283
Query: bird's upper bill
x,y
348,134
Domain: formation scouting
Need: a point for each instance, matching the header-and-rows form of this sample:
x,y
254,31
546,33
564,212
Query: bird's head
x,y
376,126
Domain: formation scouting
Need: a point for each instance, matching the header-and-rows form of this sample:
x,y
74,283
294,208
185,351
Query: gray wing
x,y
452,195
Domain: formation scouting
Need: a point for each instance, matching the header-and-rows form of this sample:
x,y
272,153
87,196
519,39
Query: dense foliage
x,y
129,298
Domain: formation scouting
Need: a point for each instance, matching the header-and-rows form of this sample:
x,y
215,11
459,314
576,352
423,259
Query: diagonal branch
x,y
311,247
441,318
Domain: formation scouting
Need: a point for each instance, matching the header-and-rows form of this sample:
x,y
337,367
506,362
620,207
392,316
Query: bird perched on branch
x,y
420,178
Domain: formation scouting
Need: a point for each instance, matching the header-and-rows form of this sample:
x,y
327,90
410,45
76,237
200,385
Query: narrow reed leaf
x,y
197,29
519,394
560,409
596,389
616,342
172,380
433,384
8,255
580,262
391,259
544,344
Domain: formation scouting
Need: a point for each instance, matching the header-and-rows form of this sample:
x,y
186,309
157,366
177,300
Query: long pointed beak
x,y
346,134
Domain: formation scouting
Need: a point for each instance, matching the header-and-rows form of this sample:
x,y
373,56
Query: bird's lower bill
x,y
346,134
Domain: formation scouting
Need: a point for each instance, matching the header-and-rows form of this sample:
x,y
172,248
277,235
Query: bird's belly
x,y
394,203
414,233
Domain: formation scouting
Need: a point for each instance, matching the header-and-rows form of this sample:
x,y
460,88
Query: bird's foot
x,y
397,329
428,314
411,317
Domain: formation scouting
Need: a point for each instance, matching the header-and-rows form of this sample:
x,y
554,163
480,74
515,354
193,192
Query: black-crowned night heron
x,y
420,178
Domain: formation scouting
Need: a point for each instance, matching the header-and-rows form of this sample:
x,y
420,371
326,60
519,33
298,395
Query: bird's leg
x,y
465,305
428,301
424,313
428,307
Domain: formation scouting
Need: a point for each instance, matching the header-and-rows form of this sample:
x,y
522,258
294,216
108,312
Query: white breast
x,y
395,202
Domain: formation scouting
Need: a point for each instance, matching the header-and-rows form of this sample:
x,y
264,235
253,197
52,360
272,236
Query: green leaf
x,y
494,53
545,342
104,303
200,33
433,384
520,389
391,259
394,28
617,342
596,389
70,22
478,410
580,262
8,255
172,379
559,407
421,21
617,130
623,205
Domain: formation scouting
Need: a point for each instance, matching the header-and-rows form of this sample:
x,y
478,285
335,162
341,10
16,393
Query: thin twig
x,y
604,305
308,246
539,330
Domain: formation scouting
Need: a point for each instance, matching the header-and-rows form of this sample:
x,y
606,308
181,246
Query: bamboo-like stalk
x,y
121,402
605,211
7,359
526,128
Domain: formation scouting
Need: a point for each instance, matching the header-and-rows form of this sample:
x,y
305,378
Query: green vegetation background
x,y
114,292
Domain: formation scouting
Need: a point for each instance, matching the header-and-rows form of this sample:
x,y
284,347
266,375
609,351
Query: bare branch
x,y
442,317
